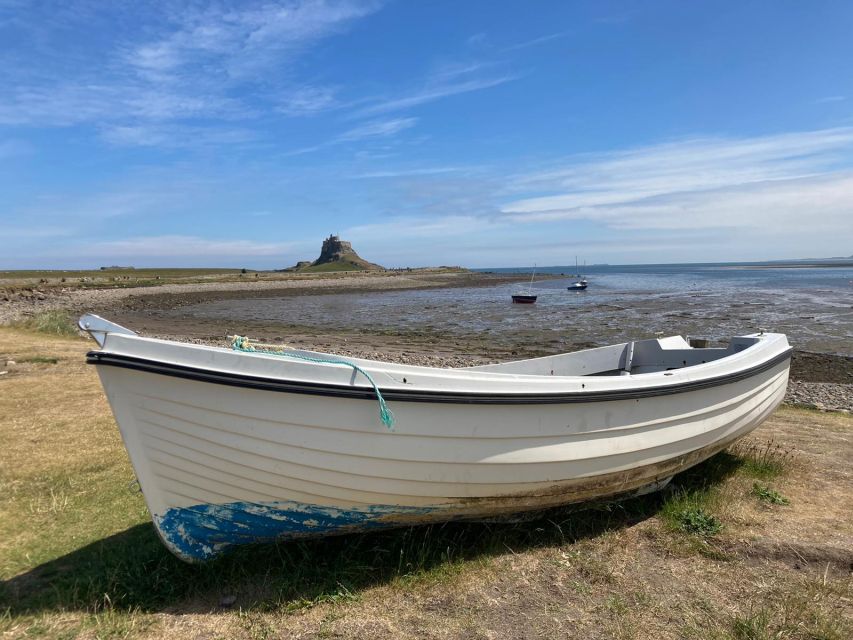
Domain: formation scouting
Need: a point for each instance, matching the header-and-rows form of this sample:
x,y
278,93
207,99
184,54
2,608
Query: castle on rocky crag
x,y
337,255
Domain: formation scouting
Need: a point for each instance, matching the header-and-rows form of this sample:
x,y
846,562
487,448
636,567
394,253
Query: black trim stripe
x,y
405,395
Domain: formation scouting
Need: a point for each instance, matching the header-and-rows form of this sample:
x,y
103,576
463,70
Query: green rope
x,y
240,343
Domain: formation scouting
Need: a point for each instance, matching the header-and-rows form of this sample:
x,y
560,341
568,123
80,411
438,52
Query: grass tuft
x,y
39,360
811,608
763,461
752,626
766,494
57,323
115,623
697,521
694,497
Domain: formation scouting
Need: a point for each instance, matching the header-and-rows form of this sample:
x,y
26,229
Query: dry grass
x,y
78,557
57,323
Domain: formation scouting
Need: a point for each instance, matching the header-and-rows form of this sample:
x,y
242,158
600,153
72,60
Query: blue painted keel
x,y
203,531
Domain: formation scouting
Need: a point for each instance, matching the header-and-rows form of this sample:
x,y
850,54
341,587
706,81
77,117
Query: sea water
x,y
813,305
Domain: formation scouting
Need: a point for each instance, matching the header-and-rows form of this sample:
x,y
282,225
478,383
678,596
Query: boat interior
x,y
628,358
641,356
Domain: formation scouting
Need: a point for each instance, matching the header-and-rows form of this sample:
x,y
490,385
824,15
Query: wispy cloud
x,y
29,233
369,130
307,101
174,136
477,40
691,198
787,180
139,196
535,41
59,102
449,80
421,227
830,99
422,198
430,94
191,61
377,129
401,173
778,206
240,42
168,246
200,74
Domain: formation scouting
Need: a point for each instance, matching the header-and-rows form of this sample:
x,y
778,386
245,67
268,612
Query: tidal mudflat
x,y
467,325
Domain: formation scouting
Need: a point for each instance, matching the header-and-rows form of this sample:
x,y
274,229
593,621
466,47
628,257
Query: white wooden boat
x,y
232,447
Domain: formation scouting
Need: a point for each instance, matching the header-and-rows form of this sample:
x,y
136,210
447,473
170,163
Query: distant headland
x,y
336,255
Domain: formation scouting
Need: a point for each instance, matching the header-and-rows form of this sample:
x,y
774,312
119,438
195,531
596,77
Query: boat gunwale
x,y
284,385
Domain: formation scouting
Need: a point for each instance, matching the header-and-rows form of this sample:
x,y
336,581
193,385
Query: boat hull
x,y
222,464
523,299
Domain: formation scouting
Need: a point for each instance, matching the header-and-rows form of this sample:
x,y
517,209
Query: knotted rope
x,y
241,343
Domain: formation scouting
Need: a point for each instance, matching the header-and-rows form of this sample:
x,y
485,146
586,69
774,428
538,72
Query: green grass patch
x,y
75,563
699,522
809,610
689,512
763,461
95,551
38,360
754,625
766,494
805,608
693,498
166,272
340,265
57,323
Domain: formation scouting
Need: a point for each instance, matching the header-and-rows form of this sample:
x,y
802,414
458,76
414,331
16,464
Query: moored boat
x,y
529,297
237,446
580,284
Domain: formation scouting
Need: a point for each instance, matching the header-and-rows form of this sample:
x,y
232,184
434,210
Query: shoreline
x,y
821,380
22,302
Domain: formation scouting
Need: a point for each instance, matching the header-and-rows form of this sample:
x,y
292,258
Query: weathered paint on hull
x,y
204,531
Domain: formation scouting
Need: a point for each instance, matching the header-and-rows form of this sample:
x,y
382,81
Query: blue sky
x,y
478,133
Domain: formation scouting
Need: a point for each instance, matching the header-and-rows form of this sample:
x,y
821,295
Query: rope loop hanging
x,y
241,343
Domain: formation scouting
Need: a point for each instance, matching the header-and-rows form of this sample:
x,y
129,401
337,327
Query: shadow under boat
x,y
132,570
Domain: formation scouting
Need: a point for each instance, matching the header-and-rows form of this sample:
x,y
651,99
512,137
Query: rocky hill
x,y
337,255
